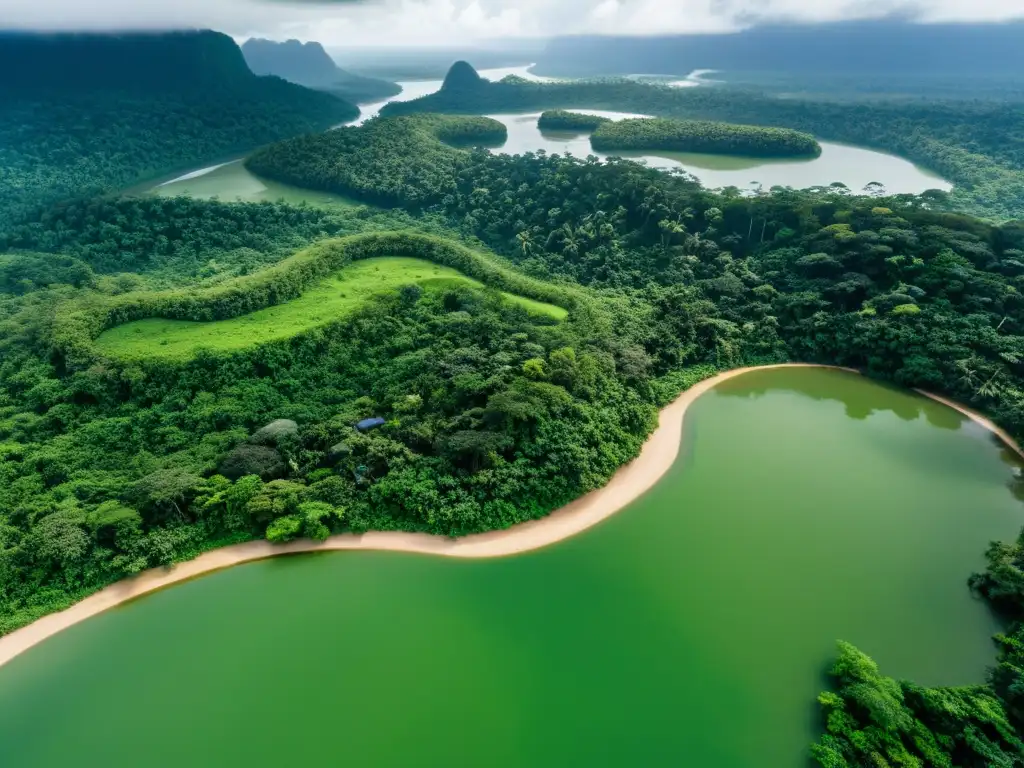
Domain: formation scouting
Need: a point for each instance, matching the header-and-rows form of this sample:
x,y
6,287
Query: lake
x,y
854,166
693,628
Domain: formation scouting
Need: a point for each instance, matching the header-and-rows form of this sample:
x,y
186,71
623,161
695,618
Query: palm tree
x,y
968,374
525,239
570,240
669,229
991,387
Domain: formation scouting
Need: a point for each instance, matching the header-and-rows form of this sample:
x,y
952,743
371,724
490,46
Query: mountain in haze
x,y
308,64
411,63
887,48
461,76
138,61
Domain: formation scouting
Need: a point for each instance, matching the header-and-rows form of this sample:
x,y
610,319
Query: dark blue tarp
x,y
366,424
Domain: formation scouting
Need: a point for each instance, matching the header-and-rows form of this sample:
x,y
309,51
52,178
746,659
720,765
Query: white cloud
x,y
423,23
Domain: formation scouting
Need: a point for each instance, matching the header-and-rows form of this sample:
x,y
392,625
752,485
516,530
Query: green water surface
x,y
233,182
691,629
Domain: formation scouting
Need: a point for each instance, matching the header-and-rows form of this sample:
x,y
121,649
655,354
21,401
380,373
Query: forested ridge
x,y
703,136
977,145
563,120
86,115
401,161
309,64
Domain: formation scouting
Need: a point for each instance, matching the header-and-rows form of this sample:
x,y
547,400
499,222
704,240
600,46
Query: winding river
x,y
855,167
691,628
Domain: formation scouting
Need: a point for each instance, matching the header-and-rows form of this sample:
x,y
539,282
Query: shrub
x,y
249,459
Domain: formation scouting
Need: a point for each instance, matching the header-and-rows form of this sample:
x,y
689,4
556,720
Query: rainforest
x,y
468,344
695,136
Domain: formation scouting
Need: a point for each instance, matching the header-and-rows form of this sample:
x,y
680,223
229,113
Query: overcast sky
x,y
445,22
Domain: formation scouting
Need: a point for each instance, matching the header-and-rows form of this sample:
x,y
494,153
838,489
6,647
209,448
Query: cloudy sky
x,y
445,22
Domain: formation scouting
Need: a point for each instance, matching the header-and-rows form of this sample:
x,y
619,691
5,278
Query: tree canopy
x,y
703,136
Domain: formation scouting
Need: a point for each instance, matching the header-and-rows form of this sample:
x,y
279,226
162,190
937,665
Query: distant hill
x,y
82,115
887,47
461,75
409,63
169,60
308,64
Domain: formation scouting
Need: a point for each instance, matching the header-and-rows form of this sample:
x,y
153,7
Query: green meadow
x,y
332,299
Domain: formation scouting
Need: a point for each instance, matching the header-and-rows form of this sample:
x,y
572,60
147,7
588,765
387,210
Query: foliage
x,y
153,241
702,136
876,718
1002,583
563,120
873,720
382,161
259,460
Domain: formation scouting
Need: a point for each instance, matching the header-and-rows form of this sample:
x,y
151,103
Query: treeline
x,y
157,242
703,136
390,162
563,120
974,144
854,259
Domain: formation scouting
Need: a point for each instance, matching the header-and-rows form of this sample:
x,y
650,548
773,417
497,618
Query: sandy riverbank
x,y
977,418
627,484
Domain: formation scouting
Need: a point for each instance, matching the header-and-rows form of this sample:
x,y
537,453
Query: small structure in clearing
x,y
367,424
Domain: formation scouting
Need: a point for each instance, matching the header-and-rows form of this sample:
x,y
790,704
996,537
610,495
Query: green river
x,y
693,628
855,167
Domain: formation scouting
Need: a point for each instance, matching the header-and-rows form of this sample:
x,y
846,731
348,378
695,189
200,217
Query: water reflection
x,y
846,387
898,445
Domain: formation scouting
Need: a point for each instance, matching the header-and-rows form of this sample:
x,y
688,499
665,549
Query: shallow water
x,y
232,182
690,629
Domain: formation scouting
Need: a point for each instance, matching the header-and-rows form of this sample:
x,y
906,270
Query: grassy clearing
x,y
329,300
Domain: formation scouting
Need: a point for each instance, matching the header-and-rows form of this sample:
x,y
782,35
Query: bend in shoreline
x,y
628,483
